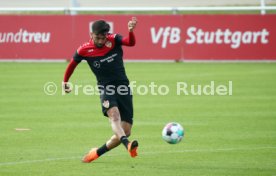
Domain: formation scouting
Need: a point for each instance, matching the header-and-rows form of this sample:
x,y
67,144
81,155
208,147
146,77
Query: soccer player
x,y
104,55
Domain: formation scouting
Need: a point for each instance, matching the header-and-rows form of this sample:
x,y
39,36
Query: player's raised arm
x,y
130,39
132,24
69,71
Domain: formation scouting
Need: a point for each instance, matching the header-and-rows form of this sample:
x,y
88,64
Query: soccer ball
x,y
172,133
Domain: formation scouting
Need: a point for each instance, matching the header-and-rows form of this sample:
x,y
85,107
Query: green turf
x,y
224,135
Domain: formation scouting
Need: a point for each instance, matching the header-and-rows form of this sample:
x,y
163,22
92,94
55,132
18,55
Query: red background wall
x,y
67,33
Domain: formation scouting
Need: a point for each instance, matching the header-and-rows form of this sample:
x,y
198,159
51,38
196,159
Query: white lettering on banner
x,y
233,38
23,36
173,32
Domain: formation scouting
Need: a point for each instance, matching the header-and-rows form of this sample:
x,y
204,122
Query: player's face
x,y
99,40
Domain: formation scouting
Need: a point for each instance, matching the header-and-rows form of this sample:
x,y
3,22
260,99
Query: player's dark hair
x,y
100,27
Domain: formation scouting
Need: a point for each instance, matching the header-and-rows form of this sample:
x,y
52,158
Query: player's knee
x,y
115,118
114,115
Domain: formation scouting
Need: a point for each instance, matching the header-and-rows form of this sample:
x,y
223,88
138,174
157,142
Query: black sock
x,y
103,149
124,140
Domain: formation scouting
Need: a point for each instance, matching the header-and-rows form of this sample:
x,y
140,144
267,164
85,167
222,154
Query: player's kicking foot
x,y
132,148
90,156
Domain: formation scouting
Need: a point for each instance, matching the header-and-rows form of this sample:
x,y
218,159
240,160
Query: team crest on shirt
x,y
108,44
106,104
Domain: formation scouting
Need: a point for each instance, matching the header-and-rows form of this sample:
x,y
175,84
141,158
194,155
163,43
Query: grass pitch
x,y
224,135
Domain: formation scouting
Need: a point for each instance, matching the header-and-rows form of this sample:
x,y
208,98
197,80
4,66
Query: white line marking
x,y
22,129
38,161
213,150
142,153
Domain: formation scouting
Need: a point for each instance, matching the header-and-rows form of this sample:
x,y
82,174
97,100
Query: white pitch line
x,y
213,150
146,153
37,161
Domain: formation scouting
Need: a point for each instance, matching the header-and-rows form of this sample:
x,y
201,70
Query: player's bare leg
x,y
117,127
114,141
122,130
115,121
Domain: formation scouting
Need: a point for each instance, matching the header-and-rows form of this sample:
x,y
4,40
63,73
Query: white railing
x,y
262,8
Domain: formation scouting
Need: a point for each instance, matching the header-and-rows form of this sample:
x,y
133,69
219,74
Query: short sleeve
x,y
118,39
78,58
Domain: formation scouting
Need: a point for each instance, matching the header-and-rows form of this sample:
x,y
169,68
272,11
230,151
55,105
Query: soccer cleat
x,y
132,148
90,156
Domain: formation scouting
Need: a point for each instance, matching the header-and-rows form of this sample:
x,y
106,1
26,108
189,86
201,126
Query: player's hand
x,y
132,24
66,87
